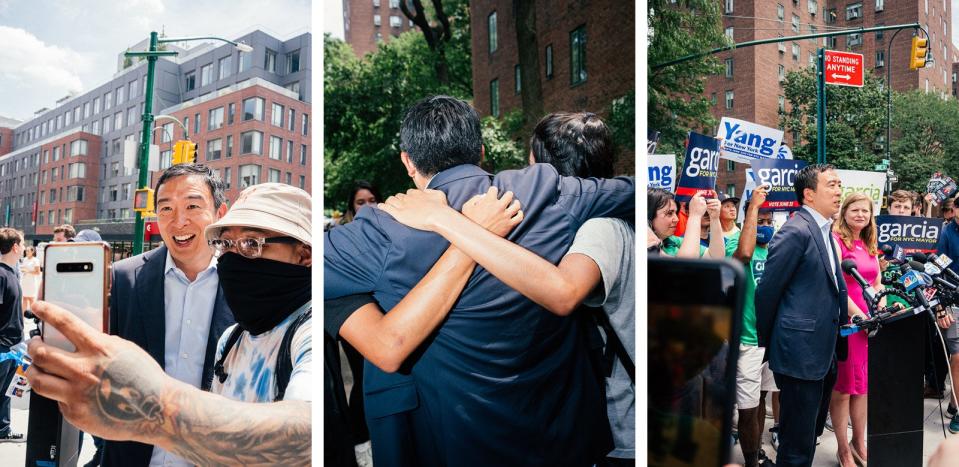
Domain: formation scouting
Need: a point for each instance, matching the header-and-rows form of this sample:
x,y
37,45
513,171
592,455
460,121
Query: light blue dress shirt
x,y
825,227
188,312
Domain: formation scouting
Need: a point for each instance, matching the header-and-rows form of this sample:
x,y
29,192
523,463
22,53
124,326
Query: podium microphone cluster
x,y
869,293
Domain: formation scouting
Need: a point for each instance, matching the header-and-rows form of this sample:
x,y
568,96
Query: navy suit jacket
x,y
798,305
137,314
503,381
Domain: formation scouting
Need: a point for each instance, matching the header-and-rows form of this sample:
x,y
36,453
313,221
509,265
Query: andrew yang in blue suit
x,y
800,303
502,382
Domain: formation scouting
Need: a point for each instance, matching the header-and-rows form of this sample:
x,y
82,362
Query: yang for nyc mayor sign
x,y
747,141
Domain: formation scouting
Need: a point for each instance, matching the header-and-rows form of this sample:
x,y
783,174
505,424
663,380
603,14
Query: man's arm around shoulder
x,y
354,255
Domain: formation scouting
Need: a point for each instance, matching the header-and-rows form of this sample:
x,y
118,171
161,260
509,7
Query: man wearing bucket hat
x,y
264,255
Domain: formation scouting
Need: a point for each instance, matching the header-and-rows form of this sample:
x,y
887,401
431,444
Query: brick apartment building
x,y
368,22
249,114
750,88
587,57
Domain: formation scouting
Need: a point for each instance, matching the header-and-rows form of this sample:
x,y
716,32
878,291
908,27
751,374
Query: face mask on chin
x,y
262,292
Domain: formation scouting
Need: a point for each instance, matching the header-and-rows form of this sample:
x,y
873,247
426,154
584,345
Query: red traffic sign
x,y
843,68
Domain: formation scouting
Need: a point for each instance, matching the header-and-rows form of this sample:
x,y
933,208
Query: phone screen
x,y
695,312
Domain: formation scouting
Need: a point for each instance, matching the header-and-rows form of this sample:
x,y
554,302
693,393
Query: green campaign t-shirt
x,y
671,246
753,274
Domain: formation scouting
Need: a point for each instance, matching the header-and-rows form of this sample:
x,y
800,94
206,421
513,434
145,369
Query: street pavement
x,y
826,451
14,454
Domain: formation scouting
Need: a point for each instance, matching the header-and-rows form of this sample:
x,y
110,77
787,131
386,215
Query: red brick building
x,y
6,140
750,88
367,22
68,181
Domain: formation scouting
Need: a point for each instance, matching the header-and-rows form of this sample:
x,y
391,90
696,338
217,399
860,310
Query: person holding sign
x,y
799,303
663,218
856,233
949,246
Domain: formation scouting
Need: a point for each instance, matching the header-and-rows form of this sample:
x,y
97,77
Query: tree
x,y
528,47
675,97
855,120
926,138
444,36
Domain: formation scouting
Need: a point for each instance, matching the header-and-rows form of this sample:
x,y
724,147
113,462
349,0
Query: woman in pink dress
x,y
855,232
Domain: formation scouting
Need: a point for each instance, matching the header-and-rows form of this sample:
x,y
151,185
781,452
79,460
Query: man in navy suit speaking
x,y
503,381
800,303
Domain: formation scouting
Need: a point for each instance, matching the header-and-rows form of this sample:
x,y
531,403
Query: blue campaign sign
x,y
700,168
910,233
780,175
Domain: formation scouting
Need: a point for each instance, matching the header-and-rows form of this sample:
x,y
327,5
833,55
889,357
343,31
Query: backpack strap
x,y
218,370
614,346
284,358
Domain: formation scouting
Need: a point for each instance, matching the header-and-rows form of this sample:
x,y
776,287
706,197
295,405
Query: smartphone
x,y
694,317
76,278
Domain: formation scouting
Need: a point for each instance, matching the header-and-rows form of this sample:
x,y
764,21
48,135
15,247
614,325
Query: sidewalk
x,y
14,454
826,452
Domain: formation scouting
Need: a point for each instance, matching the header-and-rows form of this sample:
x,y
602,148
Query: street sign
x,y
843,68
881,167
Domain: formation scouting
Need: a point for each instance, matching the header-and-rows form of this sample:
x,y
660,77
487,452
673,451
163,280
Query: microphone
x,y
912,279
869,293
943,262
894,254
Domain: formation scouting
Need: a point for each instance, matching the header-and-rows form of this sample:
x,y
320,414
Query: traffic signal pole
x,y
821,106
143,161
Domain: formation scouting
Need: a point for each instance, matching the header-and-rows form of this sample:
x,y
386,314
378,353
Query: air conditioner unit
x,y
782,48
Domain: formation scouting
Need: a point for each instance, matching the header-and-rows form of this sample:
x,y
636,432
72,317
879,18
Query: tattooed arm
x,y
111,388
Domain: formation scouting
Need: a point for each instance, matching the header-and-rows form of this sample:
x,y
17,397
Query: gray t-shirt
x,y
610,244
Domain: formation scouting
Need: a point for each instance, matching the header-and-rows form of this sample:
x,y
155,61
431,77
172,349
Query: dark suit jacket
x,y
137,314
503,381
798,306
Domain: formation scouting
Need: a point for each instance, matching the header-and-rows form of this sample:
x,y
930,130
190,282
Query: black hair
x,y
8,238
358,185
577,144
212,181
656,199
808,177
440,132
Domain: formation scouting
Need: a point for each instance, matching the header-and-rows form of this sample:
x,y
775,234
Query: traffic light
x,y
143,201
917,59
184,152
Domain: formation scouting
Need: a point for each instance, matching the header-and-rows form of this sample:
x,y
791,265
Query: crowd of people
x,y
796,298
463,296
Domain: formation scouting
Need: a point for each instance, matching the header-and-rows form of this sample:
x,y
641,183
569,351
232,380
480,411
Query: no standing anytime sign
x,y
843,68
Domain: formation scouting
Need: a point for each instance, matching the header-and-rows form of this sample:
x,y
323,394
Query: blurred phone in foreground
x,y
75,277
695,316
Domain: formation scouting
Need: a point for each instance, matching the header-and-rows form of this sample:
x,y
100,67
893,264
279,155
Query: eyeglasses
x,y
249,247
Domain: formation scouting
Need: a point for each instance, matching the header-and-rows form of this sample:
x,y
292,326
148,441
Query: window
x,y
67,119
394,3
577,51
132,89
214,148
306,125
230,114
780,12
879,34
289,178
274,176
206,74
113,193
854,40
303,154
190,81
812,6
56,154
291,120
96,127
165,159
782,104
812,59
517,80
227,177
881,4
86,109
251,142
795,23
289,151
269,61
494,98
276,148
295,87
96,105
216,118
376,20
225,66
395,21
302,182
830,16
729,67
491,32
730,35
549,61
78,147
68,215
249,175
75,193
253,108
115,169
729,99
167,134
293,62
120,95
131,115
813,30
229,146
276,115
246,61
730,166
796,52
880,58
729,7
196,124
854,11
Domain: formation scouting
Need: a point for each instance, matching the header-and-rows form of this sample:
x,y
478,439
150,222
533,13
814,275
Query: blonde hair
x,y
867,235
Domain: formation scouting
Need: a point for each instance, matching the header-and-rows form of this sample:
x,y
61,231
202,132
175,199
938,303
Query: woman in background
x,y
30,277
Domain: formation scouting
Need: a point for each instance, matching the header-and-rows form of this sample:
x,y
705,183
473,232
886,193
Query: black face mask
x,y
262,292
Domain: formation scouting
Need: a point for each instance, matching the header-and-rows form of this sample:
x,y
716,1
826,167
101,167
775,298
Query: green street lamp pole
x,y
151,55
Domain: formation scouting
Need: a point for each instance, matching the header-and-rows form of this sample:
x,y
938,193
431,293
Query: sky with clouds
x,y
52,47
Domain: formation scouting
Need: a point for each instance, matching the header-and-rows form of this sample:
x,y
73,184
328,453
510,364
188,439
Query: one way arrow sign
x,y
843,68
